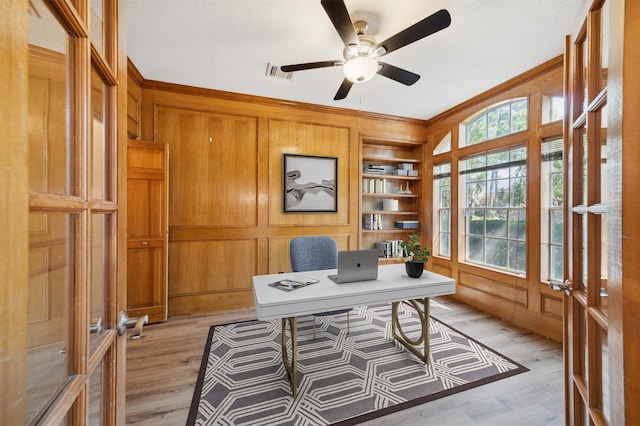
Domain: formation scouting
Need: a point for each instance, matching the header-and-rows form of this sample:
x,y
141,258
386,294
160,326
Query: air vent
x,y
274,71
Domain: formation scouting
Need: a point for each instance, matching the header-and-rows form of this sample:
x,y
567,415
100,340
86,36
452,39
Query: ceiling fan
x,y
361,51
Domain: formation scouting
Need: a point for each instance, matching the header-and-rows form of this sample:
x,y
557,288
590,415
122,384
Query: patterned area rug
x,y
342,378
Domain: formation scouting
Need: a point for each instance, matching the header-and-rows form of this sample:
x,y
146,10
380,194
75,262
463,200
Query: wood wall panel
x,y
134,95
212,167
494,289
199,267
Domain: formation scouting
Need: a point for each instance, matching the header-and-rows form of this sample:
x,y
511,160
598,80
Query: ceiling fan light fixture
x,y
360,69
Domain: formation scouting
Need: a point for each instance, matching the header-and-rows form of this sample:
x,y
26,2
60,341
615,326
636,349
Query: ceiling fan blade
x,y
343,91
339,16
398,74
429,25
310,65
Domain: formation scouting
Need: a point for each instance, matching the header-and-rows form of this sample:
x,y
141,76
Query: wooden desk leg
x,y
399,334
291,366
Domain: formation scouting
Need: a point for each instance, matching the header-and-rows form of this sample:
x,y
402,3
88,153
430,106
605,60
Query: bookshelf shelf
x,y
391,161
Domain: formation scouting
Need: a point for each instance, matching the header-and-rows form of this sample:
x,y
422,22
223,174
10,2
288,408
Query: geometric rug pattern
x,y
342,378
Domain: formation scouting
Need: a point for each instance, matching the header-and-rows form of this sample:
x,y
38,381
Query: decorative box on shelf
x,y
407,224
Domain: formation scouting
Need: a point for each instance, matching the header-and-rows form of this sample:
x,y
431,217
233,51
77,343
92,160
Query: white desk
x,y
392,286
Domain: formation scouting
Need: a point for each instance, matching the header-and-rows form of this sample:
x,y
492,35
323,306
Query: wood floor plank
x,y
162,368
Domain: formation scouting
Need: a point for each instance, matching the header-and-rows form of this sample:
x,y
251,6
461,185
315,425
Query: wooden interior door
x,y
147,230
587,308
75,345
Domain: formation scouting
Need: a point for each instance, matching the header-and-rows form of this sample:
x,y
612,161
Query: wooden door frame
x,y
14,184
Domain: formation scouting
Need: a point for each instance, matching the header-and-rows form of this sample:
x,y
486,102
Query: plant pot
x,y
414,269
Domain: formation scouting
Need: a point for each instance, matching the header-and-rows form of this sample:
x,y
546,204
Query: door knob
x,y
136,323
566,286
96,328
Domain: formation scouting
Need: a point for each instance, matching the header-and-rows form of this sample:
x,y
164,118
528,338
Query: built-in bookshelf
x,y
391,193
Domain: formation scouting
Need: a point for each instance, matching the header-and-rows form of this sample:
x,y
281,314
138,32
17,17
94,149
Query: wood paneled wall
x,y
523,300
226,219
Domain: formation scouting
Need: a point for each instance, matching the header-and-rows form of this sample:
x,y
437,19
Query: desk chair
x,y
311,254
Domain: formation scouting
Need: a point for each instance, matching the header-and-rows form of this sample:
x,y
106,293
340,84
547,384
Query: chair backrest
x,y
313,253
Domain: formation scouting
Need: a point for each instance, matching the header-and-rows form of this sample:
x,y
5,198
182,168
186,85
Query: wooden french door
x,y
75,333
601,326
587,308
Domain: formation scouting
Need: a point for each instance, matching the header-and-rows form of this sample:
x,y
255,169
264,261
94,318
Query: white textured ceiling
x,y
227,44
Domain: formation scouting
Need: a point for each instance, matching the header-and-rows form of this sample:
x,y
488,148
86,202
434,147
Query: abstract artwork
x,y
310,183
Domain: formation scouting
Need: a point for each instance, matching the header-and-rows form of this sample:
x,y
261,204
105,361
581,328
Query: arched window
x,y
499,120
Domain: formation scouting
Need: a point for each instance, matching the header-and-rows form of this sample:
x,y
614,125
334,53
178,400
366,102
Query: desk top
x,y
392,285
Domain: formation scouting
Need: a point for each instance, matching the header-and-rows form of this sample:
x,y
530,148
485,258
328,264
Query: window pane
x,y
497,223
497,252
99,142
99,284
445,249
97,25
517,256
604,43
475,222
517,225
475,249
519,116
519,192
498,194
48,104
50,310
557,227
477,194
444,220
97,396
557,268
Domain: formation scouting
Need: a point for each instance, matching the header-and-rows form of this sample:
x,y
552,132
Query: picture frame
x,y
310,183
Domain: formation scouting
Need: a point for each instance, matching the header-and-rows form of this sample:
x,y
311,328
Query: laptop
x,y
356,265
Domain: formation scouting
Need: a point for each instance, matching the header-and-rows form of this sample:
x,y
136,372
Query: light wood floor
x,y
162,368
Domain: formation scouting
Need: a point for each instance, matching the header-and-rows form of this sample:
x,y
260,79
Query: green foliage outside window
x,y
502,120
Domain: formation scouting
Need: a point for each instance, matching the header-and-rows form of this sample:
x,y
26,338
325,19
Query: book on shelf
x,y
374,186
373,169
372,221
388,248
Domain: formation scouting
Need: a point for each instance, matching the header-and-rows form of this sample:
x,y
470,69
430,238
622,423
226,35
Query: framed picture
x,y
310,183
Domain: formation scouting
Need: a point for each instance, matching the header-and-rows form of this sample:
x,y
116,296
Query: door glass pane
x,y
583,60
99,144
50,77
97,396
50,309
97,25
99,275
601,297
606,397
604,46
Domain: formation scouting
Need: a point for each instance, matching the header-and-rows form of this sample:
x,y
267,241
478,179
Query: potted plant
x,y
414,256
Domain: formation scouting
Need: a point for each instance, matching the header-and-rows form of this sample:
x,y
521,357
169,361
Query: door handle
x,y
566,286
136,323
96,328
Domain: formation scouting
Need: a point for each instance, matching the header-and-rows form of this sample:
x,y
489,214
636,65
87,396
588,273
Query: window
x,y
501,120
495,192
552,109
442,216
552,201
444,145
